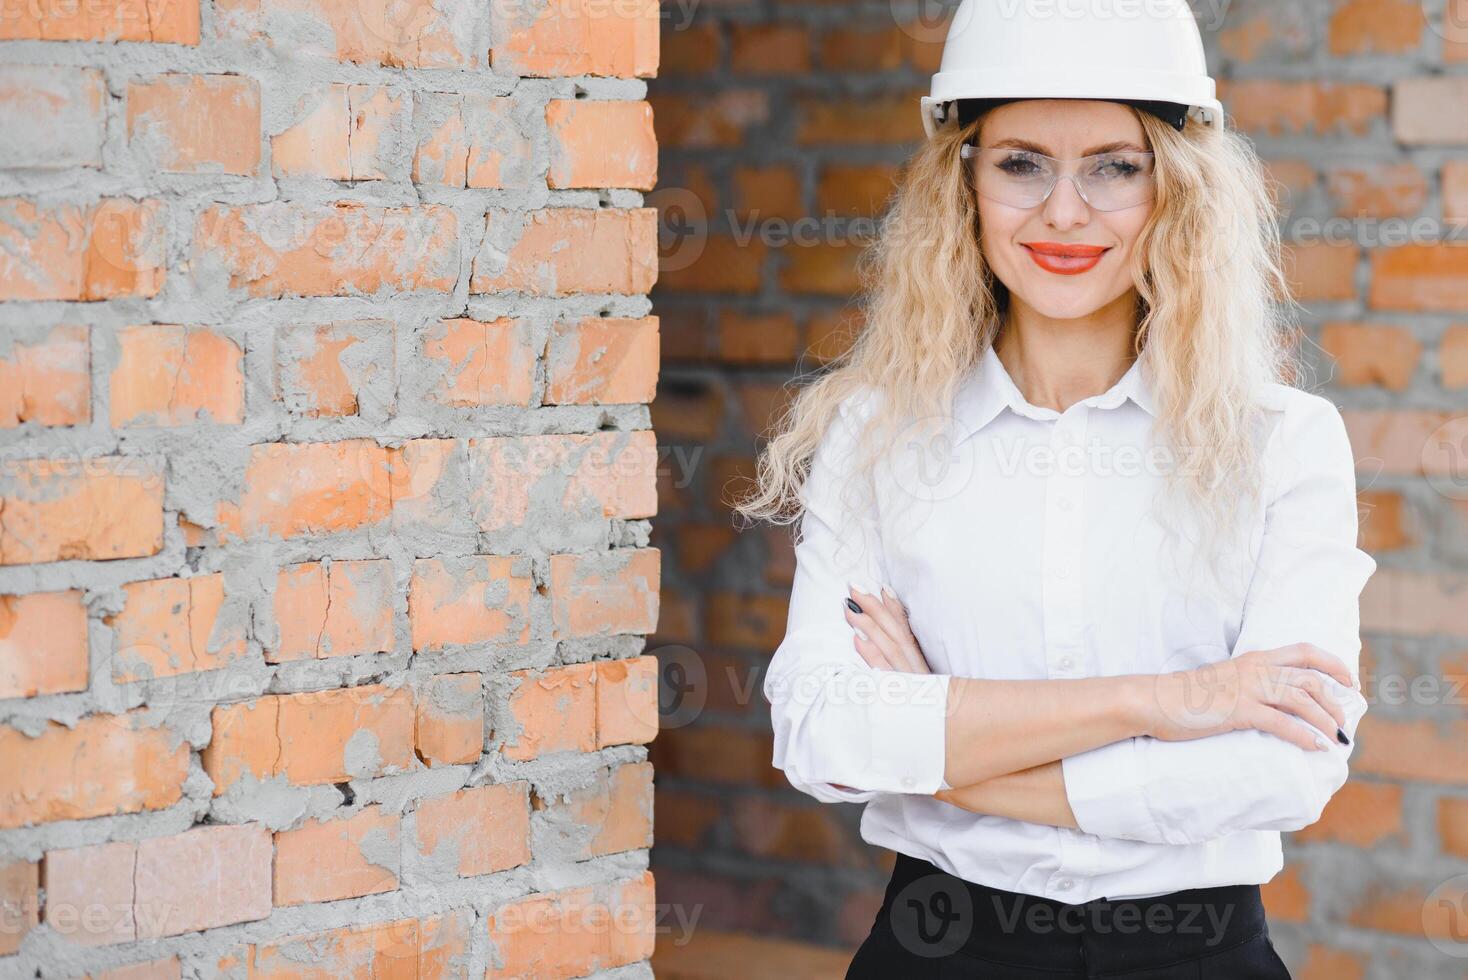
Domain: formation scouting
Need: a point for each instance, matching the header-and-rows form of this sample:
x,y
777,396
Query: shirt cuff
x,y
907,732
1106,791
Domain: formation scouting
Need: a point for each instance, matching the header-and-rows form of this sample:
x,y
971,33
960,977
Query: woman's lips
x,y
1065,260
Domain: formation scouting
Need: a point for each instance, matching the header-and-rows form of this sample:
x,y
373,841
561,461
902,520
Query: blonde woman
x,y
1075,611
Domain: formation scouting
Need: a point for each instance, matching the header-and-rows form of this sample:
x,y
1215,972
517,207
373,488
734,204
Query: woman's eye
x,y
1020,166
1116,168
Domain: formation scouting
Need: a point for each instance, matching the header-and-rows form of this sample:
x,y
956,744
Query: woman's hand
x,y
882,635
1260,689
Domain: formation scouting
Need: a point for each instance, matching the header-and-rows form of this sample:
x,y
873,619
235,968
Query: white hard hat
x,y
1143,52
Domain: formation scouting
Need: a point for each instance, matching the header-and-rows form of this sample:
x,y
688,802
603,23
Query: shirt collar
x,y
989,388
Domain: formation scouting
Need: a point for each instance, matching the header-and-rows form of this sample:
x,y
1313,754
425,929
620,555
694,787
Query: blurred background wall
x,y
782,127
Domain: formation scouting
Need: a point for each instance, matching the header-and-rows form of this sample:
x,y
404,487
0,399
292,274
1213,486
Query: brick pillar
x,y
326,479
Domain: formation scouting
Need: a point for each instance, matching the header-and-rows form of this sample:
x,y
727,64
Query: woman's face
x,y
1065,129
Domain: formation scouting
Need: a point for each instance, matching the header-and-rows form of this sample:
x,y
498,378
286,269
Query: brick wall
x,y
783,125
325,483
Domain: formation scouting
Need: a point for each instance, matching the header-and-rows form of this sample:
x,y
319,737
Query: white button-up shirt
x,y
1026,550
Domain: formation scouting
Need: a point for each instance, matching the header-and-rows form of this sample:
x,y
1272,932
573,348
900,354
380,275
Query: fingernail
x,y
888,592
859,633
1340,737
851,604
1321,743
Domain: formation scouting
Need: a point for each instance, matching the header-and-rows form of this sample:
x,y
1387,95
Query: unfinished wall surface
x,y
782,126
326,480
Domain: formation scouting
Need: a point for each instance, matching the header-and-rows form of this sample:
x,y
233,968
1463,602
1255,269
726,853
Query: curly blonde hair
x,y
1214,321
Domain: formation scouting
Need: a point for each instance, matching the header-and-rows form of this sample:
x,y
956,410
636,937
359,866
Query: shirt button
x,y
907,781
1064,884
1064,503
1062,572
1066,663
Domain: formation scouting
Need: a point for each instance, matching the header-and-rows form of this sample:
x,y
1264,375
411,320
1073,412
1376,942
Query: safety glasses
x,y
1024,179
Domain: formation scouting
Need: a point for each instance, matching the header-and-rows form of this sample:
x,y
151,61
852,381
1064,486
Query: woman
x,y
1096,559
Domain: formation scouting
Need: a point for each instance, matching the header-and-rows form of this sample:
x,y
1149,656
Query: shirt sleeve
x,y
837,720
1305,588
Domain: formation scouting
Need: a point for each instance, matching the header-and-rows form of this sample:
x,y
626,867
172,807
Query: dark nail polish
x,y
1340,737
851,604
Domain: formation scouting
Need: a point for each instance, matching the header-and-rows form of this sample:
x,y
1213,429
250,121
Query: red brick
x,y
1278,108
766,192
602,361
106,764
482,363
343,609
90,896
1376,27
73,102
1420,278
170,375
775,49
19,903
472,599
612,815
1384,521
414,34
1414,603
195,123
1370,354
722,119
601,143
883,119
91,509
575,37
473,141
554,711
575,931
334,369
158,21
1380,190
1452,825
1419,750
43,644
1321,271
428,482
433,947
477,831
449,729
287,248
202,878
626,701
609,474
342,132
313,738
1426,111
1268,32
328,860
611,592
1361,814
81,253
47,381
563,251
826,267
1452,355
755,339
310,488
173,626
1405,441
1455,192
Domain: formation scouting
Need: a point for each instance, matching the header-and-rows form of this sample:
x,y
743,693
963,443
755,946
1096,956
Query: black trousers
x,y
933,924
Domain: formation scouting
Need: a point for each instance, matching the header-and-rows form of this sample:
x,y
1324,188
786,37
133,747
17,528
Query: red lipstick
x,y
1065,259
